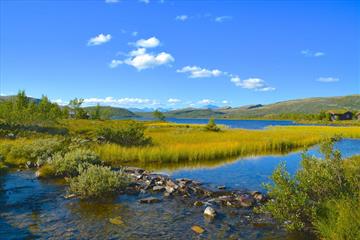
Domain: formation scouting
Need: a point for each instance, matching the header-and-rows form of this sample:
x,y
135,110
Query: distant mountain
x,y
211,106
141,110
9,98
299,106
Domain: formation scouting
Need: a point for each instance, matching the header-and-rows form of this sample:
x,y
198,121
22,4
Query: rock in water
x,y
198,203
197,229
209,211
149,200
116,220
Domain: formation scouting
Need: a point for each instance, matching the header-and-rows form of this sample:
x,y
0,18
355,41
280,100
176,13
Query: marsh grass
x,y
194,144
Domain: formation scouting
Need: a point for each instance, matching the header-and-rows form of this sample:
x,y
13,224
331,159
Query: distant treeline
x,y
21,110
322,116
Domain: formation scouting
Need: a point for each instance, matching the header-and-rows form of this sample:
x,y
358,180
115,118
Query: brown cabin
x,y
340,115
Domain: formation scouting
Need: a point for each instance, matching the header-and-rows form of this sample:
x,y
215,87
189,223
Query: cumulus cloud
x,y
198,72
221,19
148,43
309,53
173,100
224,101
114,63
59,101
256,84
181,18
327,79
99,39
206,101
148,60
141,59
120,101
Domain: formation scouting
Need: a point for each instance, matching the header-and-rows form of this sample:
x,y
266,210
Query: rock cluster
x,y
147,182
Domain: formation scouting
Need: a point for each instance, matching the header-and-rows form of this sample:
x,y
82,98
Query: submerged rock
x,y
158,188
198,203
117,220
197,229
210,212
149,200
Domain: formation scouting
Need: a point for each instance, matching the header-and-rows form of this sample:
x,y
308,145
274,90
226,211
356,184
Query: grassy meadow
x,y
176,143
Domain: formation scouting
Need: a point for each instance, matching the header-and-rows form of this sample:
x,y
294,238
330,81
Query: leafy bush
x,y
97,182
130,134
319,197
37,151
211,126
69,163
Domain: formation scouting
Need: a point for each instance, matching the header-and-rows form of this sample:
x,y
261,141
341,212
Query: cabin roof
x,y
338,111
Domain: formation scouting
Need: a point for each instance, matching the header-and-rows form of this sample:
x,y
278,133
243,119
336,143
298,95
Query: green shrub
x,y
97,182
339,219
130,134
3,167
211,126
69,163
37,151
318,196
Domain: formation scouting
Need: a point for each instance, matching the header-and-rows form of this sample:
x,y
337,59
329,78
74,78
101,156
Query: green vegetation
x,y
322,197
106,112
69,164
129,134
158,115
211,126
97,182
20,110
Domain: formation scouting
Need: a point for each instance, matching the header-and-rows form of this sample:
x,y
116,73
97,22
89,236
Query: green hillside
x,y
299,106
113,112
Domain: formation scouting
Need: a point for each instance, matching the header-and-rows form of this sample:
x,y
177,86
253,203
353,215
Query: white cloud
x,y
206,101
114,63
181,18
145,1
148,43
197,72
59,101
225,102
173,100
222,19
137,52
99,39
120,101
112,1
148,60
256,84
327,79
309,53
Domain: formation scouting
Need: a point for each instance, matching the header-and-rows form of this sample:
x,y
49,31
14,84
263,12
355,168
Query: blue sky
x,y
176,54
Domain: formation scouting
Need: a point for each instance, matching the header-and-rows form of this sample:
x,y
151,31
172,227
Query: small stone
x,y
158,188
69,196
197,229
149,200
246,200
117,220
169,189
198,203
221,187
209,211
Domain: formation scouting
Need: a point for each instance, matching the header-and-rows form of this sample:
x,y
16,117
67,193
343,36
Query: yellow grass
x,y
193,144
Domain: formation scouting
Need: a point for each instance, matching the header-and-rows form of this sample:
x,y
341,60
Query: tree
x,y
75,105
211,126
158,115
97,113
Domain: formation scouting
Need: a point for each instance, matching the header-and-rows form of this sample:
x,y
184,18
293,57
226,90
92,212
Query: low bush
x,y
211,126
38,151
68,164
321,197
130,134
97,182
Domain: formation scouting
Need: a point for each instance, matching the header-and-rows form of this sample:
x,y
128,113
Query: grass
x,y
180,143
194,144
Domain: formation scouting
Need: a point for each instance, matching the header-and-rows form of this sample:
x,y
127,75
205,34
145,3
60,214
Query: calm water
x,y
34,209
248,124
